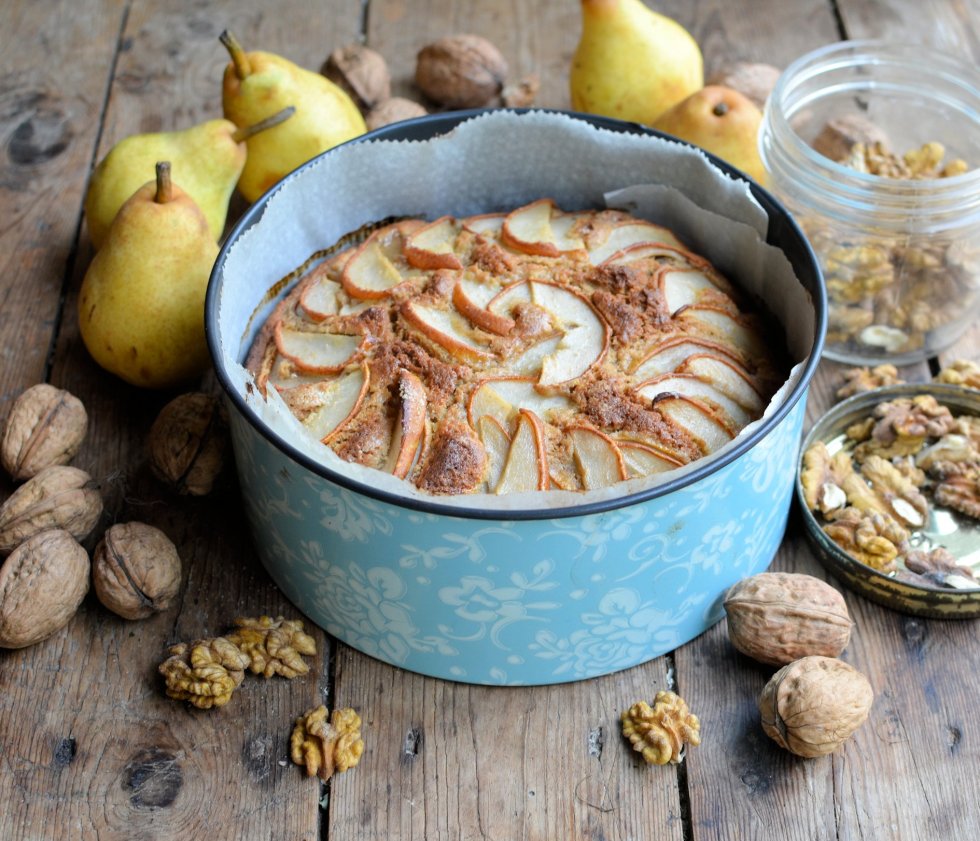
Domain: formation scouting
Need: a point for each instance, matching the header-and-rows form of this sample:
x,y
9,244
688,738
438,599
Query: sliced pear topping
x,y
541,228
691,386
670,355
728,377
316,352
720,324
705,427
472,297
408,433
526,468
597,458
319,299
433,246
629,234
503,397
683,286
585,336
496,442
503,302
447,328
644,460
530,362
324,408
377,265
487,224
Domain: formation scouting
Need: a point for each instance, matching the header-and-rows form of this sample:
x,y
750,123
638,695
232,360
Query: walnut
x,y
778,617
858,380
362,73
461,71
939,567
521,94
205,673
273,646
754,80
46,426
660,732
958,486
960,372
188,441
821,482
322,746
393,110
813,705
42,584
903,499
874,539
58,497
952,447
839,136
136,570
902,426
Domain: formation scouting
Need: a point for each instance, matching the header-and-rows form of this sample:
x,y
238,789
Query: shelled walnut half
x,y
660,732
325,742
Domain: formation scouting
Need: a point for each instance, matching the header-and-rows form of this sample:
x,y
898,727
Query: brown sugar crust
x,y
580,344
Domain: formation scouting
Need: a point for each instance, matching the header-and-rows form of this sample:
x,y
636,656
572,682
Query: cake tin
x,y
529,596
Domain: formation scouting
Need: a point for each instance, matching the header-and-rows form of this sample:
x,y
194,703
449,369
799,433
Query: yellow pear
x,y
722,121
631,62
255,85
141,305
207,160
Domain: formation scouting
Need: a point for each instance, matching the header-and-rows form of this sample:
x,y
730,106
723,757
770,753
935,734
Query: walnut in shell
x,y
778,617
461,71
393,110
46,426
136,570
360,72
42,584
813,705
188,441
58,497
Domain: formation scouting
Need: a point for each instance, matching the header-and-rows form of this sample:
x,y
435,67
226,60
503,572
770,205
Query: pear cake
x,y
527,350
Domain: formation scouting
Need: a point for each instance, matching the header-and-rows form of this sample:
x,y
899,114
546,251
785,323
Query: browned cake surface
x,y
535,349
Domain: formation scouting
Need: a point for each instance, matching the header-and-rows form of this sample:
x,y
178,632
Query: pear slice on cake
x,y
317,351
598,460
410,423
669,355
540,228
708,428
526,468
503,397
378,264
326,407
448,329
646,460
471,297
629,234
690,385
433,246
496,442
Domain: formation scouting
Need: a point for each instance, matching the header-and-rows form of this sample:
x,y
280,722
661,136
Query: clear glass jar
x,y
900,255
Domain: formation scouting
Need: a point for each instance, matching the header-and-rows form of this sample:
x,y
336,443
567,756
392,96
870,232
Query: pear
x,y
208,158
256,84
141,305
721,120
631,62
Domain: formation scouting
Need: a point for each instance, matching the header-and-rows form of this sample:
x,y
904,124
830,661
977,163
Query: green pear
x,y
631,62
255,85
208,159
721,120
141,305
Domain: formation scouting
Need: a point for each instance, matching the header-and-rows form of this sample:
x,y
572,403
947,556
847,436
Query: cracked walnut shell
x,y
42,584
660,732
322,746
136,570
46,426
58,497
778,617
813,705
273,646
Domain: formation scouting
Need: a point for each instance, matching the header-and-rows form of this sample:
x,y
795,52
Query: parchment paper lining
x,y
499,161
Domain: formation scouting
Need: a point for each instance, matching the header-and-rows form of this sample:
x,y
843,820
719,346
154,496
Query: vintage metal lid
x,y
943,526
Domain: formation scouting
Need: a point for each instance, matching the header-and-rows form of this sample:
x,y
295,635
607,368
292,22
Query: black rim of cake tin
x,y
782,229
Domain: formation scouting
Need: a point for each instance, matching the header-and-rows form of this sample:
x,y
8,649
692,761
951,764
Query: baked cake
x,y
531,350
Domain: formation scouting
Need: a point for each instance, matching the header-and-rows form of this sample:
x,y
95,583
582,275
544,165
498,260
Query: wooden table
x,y
90,748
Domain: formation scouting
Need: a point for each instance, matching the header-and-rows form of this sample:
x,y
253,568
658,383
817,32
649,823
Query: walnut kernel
x,y
204,673
778,617
58,497
187,443
273,646
136,570
660,732
322,746
461,71
46,426
42,584
812,705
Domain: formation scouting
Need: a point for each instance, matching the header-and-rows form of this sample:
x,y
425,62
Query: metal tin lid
x,y
940,594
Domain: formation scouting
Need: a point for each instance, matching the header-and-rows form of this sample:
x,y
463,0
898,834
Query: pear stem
x,y
246,132
165,187
243,67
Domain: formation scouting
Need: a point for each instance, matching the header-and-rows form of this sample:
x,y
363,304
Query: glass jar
x,y
900,254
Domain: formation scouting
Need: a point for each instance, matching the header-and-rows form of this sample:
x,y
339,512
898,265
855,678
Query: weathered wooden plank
x,y
90,745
